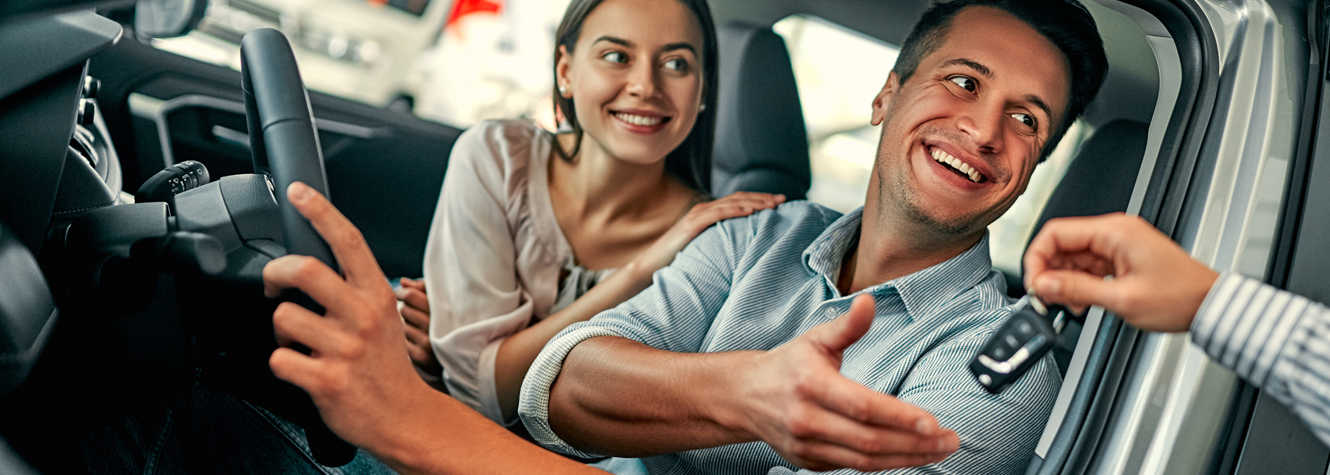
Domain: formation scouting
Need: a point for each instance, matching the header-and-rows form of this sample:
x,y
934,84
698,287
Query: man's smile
x,y
958,166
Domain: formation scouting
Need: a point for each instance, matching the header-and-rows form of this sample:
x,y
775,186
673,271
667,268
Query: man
x,y
732,363
745,367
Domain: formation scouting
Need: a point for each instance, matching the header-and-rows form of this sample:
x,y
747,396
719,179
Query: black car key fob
x,y
1016,347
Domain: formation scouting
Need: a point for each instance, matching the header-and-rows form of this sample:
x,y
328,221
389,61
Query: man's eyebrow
x,y
969,63
1038,102
984,71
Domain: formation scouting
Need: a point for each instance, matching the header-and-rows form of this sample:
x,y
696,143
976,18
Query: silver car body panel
x,y
1167,419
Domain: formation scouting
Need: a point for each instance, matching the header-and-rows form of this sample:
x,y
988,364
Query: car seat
x,y
27,317
1100,180
761,142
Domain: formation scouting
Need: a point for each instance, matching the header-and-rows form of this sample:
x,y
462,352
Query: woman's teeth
x,y
953,162
639,120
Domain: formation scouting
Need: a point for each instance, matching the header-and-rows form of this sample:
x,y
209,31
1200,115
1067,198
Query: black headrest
x,y
1100,180
761,141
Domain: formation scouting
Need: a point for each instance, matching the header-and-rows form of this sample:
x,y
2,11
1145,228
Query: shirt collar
x,y
923,291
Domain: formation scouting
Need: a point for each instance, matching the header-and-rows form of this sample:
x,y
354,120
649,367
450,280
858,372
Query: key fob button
x,y
1012,341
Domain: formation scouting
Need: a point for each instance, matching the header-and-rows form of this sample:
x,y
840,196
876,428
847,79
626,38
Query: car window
x,y
455,62
838,72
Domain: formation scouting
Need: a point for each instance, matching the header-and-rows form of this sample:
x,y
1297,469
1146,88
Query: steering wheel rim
x,y
282,136
285,146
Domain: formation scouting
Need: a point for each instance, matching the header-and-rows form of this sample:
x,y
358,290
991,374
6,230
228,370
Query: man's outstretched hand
x,y
800,404
357,370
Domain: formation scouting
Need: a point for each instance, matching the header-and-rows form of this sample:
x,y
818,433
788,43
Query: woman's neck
x,y
599,185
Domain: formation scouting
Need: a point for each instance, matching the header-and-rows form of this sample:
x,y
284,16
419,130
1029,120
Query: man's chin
x,y
943,227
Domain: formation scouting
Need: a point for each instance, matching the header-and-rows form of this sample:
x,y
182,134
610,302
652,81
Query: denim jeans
x,y
204,431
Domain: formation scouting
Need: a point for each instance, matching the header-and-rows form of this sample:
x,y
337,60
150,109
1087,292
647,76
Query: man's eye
x,y
615,57
677,64
964,82
1026,119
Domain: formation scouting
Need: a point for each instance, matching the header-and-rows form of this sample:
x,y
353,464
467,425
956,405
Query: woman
x,y
535,232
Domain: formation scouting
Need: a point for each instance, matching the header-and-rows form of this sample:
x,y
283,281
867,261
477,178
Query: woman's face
x,y
635,78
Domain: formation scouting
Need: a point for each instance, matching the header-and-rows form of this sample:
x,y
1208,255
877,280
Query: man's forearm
x,y
442,435
619,397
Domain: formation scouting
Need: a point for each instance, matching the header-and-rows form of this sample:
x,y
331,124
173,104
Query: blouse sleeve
x,y
476,298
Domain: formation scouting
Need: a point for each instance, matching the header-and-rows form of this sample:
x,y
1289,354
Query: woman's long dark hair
x,y
690,162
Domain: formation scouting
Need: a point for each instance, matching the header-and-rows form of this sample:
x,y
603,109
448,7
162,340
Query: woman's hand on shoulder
x,y
699,218
413,304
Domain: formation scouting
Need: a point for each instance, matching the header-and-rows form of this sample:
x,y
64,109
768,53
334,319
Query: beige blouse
x,y
495,254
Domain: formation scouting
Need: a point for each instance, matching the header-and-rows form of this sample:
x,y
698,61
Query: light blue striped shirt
x,y
757,282
1273,338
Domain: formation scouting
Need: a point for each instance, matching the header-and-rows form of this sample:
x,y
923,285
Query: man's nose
x,y
642,80
982,123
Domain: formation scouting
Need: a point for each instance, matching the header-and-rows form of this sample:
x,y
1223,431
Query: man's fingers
x,y
305,273
298,369
292,323
820,456
1076,289
870,439
842,332
856,402
347,244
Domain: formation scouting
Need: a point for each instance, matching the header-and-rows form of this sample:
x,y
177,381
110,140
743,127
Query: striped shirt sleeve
x,y
673,314
1272,338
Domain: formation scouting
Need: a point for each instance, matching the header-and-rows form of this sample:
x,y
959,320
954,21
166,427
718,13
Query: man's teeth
x,y
946,159
639,119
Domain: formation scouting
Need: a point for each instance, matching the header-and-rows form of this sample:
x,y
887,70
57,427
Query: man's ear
x,y
561,67
882,103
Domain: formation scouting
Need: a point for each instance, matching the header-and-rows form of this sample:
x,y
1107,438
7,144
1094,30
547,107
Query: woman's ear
x,y
562,65
882,103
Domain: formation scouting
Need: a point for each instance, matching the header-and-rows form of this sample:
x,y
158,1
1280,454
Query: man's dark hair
x,y
1066,23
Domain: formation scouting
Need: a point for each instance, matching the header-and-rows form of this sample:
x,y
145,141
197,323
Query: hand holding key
x,y
1156,285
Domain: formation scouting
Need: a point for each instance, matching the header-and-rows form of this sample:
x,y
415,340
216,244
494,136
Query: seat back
x,y
1100,180
761,142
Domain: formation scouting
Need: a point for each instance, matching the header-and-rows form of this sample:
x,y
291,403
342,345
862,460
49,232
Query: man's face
x,y
963,135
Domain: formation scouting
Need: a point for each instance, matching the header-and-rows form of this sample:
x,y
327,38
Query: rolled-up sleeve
x,y
1276,340
476,299
673,314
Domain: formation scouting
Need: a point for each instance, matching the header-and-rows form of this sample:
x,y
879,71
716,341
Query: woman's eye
x,y
615,57
964,82
677,64
1026,119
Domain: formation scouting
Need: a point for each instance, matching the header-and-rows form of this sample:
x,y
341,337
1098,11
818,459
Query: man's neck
x,y
891,248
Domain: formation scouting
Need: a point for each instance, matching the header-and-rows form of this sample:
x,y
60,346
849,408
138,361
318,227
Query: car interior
x,y
134,212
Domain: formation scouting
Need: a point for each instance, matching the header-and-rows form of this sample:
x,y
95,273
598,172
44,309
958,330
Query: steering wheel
x,y
285,145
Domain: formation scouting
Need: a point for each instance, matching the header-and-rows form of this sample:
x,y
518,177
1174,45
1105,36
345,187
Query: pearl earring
x,y
563,91
703,108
